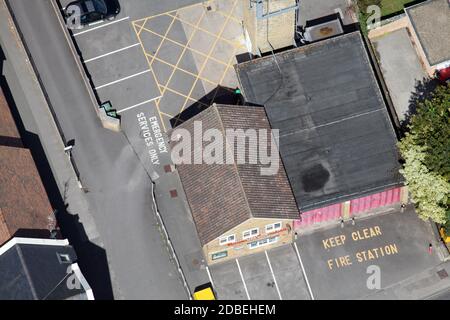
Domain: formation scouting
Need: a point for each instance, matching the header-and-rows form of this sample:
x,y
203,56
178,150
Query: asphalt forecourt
x,y
358,260
269,275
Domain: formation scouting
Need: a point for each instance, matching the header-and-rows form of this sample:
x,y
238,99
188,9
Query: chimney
x,y
269,24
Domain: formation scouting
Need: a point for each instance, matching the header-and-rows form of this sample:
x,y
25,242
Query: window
x,y
273,227
250,233
219,255
262,242
227,239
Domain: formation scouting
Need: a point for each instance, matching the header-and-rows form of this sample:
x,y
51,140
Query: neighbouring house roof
x,y
431,22
337,141
222,196
37,269
9,135
23,200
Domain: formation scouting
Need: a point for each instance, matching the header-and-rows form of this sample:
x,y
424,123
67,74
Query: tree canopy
x,y
425,150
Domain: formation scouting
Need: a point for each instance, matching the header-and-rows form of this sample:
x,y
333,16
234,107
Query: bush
x,y
425,149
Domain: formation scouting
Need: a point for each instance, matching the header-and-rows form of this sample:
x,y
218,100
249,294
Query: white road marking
x,y
122,79
137,105
303,270
273,275
112,52
96,22
103,25
242,278
209,276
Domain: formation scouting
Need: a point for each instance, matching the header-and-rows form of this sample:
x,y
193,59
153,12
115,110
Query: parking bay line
x,y
112,52
242,278
138,104
209,276
103,25
273,275
122,79
303,270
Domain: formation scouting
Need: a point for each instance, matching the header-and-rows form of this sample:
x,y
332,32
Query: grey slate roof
x,y
222,196
431,22
336,138
33,272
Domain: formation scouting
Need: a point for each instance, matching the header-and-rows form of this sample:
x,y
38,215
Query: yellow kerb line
x,y
204,64
160,115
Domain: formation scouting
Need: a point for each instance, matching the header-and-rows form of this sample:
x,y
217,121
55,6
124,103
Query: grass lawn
x,y
391,6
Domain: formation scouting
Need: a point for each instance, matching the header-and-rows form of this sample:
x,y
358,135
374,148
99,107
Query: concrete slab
x,y
401,68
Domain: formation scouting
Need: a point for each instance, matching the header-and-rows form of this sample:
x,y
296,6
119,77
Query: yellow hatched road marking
x,y
179,60
204,64
215,35
185,46
183,95
181,69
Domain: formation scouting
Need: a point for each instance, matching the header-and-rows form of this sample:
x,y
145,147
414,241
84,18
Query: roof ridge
x,y
27,272
234,163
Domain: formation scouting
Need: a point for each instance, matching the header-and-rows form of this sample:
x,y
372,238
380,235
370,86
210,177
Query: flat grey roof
x,y
431,22
337,141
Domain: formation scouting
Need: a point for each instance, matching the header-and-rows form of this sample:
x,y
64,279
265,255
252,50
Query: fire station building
x,y
337,140
235,208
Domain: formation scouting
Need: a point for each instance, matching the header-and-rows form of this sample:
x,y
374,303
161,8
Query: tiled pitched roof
x,y
23,200
222,196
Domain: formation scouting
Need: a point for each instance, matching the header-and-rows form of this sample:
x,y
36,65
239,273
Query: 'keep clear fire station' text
x,y
360,256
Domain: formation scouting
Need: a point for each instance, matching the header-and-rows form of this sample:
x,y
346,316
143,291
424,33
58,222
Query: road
x,y
119,188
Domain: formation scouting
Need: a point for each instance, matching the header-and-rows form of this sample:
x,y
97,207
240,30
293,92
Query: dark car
x,y
83,12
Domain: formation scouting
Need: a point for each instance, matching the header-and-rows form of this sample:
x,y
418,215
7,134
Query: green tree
x,y
425,150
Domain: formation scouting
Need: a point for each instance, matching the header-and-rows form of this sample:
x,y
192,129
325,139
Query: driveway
x,y
341,263
401,68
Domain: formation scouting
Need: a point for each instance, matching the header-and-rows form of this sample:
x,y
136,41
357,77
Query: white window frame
x,y
251,235
273,228
227,239
269,241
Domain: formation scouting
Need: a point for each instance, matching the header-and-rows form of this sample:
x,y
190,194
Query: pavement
x,y
401,69
119,187
339,262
